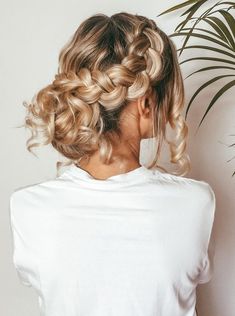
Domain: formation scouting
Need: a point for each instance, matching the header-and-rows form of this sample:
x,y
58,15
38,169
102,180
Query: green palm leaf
x,y
210,59
221,25
230,20
228,2
193,10
190,12
178,6
227,9
208,38
214,49
187,3
215,27
203,87
216,97
218,32
221,33
210,68
194,7
205,31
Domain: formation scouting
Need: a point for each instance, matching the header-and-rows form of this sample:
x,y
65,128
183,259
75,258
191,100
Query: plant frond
x,y
203,87
210,59
178,6
227,2
194,7
230,20
215,27
208,38
210,48
209,68
203,30
216,97
190,12
227,35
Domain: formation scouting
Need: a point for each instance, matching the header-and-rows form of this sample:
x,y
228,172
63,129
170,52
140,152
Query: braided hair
x,y
108,62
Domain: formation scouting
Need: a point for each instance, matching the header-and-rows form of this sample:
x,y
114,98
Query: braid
x,y
123,58
126,81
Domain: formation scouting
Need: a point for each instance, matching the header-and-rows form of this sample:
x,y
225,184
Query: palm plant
x,y
220,34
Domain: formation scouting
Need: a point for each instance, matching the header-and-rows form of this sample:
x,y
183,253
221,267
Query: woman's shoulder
x,y
37,188
25,190
195,188
31,197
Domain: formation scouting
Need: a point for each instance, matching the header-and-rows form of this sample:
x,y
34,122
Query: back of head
x,y
108,62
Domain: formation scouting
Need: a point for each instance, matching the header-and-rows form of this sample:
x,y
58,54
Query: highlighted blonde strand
x,y
108,62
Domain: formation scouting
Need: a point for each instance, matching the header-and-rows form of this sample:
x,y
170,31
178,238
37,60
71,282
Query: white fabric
x,y
135,244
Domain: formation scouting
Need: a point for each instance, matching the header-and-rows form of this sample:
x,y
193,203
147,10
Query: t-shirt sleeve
x,y
20,244
207,269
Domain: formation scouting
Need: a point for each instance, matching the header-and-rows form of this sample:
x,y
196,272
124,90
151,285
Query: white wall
x,y
32,33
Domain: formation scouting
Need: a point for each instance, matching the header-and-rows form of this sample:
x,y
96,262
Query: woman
x,y
110,236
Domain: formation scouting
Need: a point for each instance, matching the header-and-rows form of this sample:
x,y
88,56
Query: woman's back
x,y
134,244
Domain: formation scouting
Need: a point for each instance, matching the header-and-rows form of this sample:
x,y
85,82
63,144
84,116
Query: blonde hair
x,y
108,62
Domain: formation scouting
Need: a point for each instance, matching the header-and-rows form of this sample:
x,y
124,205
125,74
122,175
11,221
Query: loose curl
x,y
108,62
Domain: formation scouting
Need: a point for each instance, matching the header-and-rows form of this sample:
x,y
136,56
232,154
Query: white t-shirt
x,y
135,244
